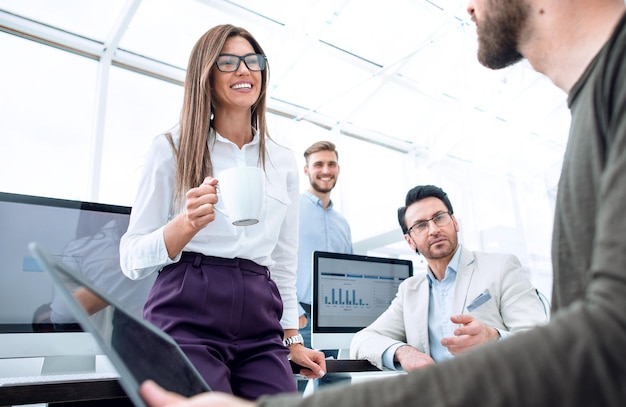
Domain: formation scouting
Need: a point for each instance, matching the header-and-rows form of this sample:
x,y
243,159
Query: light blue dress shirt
x,y
320,229
441,297
440,309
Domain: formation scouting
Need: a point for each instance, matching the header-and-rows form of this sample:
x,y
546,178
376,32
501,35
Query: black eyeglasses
x,y
421,227
230,62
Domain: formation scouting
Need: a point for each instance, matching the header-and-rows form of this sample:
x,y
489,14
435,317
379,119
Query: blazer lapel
x,y
421,325
463,280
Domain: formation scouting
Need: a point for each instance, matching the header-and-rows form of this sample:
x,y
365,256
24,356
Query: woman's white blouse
x,y
273,242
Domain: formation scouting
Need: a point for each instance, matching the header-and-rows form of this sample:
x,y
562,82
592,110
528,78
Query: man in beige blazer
x,y
464,299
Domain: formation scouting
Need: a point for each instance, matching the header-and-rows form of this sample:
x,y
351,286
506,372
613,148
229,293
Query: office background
x,y
86,84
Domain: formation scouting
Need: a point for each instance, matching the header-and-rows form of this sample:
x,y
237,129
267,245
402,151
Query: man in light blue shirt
x,y
465,298
321,227
440,309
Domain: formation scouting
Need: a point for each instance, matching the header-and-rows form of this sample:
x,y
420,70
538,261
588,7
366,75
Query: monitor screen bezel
x,y
31,327
317,255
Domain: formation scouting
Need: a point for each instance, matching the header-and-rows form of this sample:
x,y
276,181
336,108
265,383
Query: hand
x,y
313,361
200,201
302,321
155,396
471,334
412,359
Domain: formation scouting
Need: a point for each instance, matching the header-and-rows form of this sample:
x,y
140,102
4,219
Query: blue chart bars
x,y
338,298
358,295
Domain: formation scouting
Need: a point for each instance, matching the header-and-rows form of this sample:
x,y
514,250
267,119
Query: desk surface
x,y
32,392
346,378
29,386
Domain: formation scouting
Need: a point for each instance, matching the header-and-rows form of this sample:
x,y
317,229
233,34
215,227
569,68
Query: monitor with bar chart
x,y
349,292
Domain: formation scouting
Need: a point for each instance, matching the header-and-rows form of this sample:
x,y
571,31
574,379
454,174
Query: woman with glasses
x,y
225,293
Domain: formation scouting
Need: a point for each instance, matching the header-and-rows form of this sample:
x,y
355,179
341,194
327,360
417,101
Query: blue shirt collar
x,y
451,269
316,200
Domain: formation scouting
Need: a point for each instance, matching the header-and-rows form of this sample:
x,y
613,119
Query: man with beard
x,y
322,228
465,298
579,358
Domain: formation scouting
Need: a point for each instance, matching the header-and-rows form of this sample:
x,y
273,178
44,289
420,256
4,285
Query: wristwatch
x,y
292,340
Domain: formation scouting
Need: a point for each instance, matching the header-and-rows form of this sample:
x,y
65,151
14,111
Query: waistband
x,y
197,259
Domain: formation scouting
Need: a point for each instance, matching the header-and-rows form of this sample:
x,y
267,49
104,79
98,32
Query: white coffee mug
x,y
242,192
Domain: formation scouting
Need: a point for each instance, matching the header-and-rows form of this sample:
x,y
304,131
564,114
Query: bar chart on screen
x,y
360,295
349,292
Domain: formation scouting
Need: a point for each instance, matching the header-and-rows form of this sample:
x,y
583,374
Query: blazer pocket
x,y
480,300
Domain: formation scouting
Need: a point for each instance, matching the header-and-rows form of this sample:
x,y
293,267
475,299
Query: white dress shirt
x,y
273,242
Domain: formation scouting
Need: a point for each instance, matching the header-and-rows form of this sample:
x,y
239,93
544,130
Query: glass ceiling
x,y
394,71
397,74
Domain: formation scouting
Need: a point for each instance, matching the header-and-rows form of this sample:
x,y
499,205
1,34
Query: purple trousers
x,y
224,314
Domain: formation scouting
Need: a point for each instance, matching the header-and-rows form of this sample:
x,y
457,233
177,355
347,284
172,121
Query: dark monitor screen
x,y
84,235
138,350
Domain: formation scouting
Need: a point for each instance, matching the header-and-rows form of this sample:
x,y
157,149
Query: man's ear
x,y
456,224
410,241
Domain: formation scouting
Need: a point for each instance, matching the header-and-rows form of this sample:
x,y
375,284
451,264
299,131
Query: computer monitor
x,y
349,292
36,323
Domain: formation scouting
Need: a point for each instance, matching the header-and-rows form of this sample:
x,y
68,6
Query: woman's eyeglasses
x,y
230,62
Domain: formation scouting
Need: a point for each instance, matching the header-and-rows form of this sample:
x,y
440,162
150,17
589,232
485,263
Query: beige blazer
x,y
514,305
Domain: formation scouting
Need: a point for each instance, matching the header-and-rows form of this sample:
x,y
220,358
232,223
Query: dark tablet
x,y
137,349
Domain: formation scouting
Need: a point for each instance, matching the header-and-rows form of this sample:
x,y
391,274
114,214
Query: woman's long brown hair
x,y
193,159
